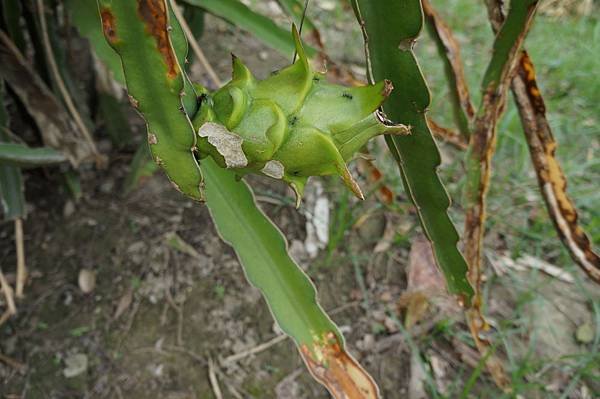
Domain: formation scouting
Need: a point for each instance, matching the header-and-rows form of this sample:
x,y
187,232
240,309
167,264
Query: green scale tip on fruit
x,y
292,125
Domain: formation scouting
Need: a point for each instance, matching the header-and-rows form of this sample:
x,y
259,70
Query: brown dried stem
x,y
551,179
7,290
20,248
448,135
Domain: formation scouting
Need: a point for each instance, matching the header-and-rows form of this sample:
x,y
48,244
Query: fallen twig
x,y
528,261
21,269
188,352
214,383
11,309
256,349
12,363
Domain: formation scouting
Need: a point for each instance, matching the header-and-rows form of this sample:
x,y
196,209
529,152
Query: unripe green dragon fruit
x,y
292,125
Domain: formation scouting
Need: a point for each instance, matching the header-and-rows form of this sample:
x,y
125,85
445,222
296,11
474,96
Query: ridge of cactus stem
x,y
291,125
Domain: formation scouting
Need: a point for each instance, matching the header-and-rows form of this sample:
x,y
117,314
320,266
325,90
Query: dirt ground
x,y
171,303
156,315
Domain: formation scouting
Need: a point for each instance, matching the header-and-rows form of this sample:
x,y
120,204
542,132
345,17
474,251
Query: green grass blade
x,y
291,296
141,166
115,120
3,112
84,15
466,392
65,75
12,197
180,46
449,51
72,184
139,33
262,27
195,19
11,13
390,30
20,155
295,9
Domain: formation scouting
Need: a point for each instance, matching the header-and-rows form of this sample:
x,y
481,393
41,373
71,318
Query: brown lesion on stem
x,y
542,148
482,146
108,25
332,366
154,13
527,73
551,179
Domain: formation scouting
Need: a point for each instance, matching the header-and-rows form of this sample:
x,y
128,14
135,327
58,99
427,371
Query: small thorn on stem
x,y
298,195
352,184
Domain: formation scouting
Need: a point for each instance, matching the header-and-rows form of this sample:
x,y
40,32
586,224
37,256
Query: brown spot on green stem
x,y
154,14
108,25
551,179
134,103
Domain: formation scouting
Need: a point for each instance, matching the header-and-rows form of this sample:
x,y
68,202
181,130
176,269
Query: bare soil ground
x,y
156,315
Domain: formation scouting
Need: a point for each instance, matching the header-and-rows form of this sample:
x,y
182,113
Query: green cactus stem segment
x,y
292,125
140,32
289,292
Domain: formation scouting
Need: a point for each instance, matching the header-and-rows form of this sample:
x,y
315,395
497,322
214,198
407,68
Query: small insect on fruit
x,y
292,125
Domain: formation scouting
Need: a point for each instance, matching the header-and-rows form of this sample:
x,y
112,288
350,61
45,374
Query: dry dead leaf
x,y
426,285
56,126
385,243
124,304
76,364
